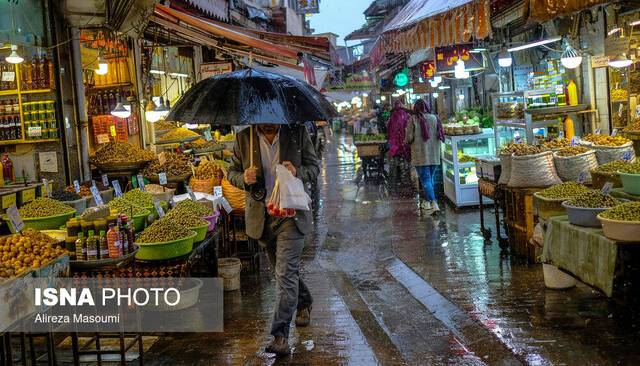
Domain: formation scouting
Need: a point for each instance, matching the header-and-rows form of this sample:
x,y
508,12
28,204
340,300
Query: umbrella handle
x,y
251,145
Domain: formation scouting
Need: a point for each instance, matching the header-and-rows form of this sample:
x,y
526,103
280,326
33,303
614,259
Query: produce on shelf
x,y
85,188
364,138
120,152
210,169
65,196
464,158
593,198
228,137
163,231
185,220
164,125
612,167
137,197
199,143
121,205
209,146
606,140
175,165
44,207
628,211
572,151
526,149
619,95
632,127
177,134
564,190
556,143
31,249
188,207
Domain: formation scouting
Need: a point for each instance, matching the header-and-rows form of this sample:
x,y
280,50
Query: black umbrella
x,y
251,96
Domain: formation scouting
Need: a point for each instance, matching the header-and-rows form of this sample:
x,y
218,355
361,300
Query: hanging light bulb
x,y
103,66
150,112
620,61
435,95
383,98
437,79
433,83
570,57
162,110
14,58
504,58
120,111
459,71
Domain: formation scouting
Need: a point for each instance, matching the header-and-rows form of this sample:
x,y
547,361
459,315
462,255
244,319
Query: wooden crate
x,y
521,219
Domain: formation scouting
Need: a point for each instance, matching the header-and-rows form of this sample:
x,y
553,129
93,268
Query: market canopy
x,y
436,23
239,42
543,10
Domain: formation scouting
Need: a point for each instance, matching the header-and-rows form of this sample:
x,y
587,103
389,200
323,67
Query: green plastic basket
x,y
163,204
201,231
166,250
43,223
140,221
630,183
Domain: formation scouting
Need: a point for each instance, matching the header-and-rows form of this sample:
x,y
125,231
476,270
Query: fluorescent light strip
x,y
159,72
178,74
614,31
535,44
634,23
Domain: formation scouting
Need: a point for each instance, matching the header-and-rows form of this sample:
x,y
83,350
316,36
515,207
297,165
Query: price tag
x,y
628,155
34,131
96,195
103,138
574,140
141,182
607,188
225,204
112,130
582,177
561,135
9,76
28,195
8,200
105,180
162,158
191,194
93,182
116,187
14,217
162,177
217,191
76,186
158,207
517,138
207,135
597,131
47,189
614,132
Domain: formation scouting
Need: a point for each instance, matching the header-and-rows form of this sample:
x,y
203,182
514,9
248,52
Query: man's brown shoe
x,y
279,346
303,317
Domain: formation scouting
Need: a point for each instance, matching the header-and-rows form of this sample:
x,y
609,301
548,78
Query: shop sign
x,y
210,69
428,69
614,46
357,81
401,79
599,61
446,58
421,88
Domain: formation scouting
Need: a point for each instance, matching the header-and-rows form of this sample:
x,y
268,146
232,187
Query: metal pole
x,y
83,120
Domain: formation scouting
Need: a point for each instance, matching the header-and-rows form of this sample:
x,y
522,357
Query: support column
x,y
81,110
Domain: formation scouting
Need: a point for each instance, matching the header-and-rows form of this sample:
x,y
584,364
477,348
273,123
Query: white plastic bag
x,y
292,193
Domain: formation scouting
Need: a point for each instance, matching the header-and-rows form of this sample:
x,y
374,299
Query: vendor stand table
x,y
589,256
494,192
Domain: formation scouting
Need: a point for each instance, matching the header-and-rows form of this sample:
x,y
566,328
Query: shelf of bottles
x,y
27,105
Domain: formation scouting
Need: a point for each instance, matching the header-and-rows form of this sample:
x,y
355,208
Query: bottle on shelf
x,y
572,90
33,70
113,241
81,247
44,71
103,244
7,168
92,246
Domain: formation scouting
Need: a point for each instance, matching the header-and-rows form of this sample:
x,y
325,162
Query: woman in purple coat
x,y
399,151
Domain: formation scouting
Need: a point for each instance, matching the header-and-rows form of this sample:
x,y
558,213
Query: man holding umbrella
x,y
283,238
275,107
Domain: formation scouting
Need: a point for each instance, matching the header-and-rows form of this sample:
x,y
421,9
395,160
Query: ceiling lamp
x,y
535,44
570,58
163,109
437,79
620,61
634,23
383,98
504,58
614,30
103,66
120,111
14,58
459,71
433,84
435,95
150,112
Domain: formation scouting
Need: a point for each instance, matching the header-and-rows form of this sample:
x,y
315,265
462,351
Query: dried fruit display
x,y
606,140
593,199
628,211
120,152
44,207
163,231
174,165
178,134
31,249
563,190
572,151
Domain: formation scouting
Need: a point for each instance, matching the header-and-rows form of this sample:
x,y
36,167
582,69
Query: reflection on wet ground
x,y
393,287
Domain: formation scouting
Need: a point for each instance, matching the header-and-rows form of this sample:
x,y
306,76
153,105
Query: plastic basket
x,y
549,207
43,223
201,231
140,221
620,230
630,183
584,216
167,249
213,220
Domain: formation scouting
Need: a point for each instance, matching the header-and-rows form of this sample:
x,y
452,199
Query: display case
x,y
459,167
530,115
619,97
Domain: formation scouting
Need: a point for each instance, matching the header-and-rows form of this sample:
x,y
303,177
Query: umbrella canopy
x,y
251,96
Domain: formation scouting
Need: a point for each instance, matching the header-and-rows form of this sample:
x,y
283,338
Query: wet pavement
x,y
392,287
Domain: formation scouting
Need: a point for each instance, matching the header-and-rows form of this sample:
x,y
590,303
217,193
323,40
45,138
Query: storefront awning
x,y
543,10
435,23
216,8
225,38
